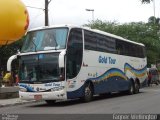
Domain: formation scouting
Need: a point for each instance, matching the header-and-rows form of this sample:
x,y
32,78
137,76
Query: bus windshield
x,y
39,68
47,39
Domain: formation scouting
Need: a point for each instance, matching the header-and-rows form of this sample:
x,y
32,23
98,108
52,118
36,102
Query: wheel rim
x,y
88,91
132,88
136,87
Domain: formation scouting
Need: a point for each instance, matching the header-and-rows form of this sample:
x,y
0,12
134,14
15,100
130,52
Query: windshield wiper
x,y
55,43
34,45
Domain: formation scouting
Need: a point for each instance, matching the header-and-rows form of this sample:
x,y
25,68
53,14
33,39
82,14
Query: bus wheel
x,y
50,102
131,89
88,92
136,87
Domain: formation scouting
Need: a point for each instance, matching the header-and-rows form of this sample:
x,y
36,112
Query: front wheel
x,y
88,92
131,89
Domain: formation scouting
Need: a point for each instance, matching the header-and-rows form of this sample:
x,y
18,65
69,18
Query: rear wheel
x,y
88,92
50,102
136,87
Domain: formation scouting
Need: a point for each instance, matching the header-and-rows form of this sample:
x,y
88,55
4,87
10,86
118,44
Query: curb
x,y
18,103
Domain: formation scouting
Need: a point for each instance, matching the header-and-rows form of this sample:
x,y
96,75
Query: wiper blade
x,y
34,45
55,42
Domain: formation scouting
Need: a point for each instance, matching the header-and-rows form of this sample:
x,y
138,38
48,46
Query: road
x,y
147,101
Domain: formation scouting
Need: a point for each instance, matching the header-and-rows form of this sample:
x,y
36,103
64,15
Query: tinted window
x,y
129,49
90,40
98,42
105,43
40,67
74,53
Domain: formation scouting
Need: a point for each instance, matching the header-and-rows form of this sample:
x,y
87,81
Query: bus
x,y
69,62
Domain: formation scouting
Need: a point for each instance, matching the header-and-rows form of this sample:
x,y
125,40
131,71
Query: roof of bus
x,y
89,29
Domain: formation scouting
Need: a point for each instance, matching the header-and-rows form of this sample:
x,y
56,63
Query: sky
x,y
74,11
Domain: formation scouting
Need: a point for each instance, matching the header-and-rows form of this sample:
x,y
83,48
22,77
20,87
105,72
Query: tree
x,y
154,21
8,50
146,1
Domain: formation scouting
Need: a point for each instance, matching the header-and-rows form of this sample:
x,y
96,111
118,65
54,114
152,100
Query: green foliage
x,y
8,50
146,33
146,1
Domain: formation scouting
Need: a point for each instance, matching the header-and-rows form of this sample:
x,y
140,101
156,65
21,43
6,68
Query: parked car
x,y
153,76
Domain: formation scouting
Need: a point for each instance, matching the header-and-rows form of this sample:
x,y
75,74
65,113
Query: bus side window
x,y
74,53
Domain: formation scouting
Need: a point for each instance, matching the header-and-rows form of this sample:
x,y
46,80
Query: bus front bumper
x,y
55,95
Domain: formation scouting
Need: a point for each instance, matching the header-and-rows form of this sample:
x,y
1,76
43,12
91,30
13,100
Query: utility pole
x,y
92,10
46,12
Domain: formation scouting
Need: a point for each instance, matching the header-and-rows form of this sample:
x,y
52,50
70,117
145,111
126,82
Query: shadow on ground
x,y
79,101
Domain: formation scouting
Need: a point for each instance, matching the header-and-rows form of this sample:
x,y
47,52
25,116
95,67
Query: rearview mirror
x,y
62,58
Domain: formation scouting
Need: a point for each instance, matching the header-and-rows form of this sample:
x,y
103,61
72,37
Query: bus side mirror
x,y
62,59
9,62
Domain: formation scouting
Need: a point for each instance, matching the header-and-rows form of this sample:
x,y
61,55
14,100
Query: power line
x,y
35,7
34,18
45,10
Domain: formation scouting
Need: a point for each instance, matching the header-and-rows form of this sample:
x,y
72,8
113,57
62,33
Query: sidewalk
x,y
9,97
13,101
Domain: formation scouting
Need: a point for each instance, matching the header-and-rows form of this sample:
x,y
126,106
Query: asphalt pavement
x,y
146,102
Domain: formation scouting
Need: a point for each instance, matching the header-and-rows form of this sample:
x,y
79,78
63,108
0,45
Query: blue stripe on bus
x,y
76,94
29,89
112,84
112,80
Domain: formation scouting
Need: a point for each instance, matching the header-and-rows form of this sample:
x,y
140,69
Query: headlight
x,y
22,89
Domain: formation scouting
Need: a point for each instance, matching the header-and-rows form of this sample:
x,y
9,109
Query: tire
x,y
50,102
88,92
136,87
131,89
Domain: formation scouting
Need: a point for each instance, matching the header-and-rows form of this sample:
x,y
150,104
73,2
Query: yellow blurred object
x,y
14,21
7,77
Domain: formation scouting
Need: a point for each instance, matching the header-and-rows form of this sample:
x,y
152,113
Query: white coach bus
x,y
68,62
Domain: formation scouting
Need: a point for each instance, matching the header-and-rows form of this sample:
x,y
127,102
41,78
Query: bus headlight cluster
x,y
57,88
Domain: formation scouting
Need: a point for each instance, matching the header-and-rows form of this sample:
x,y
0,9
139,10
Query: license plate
x,y
37,97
